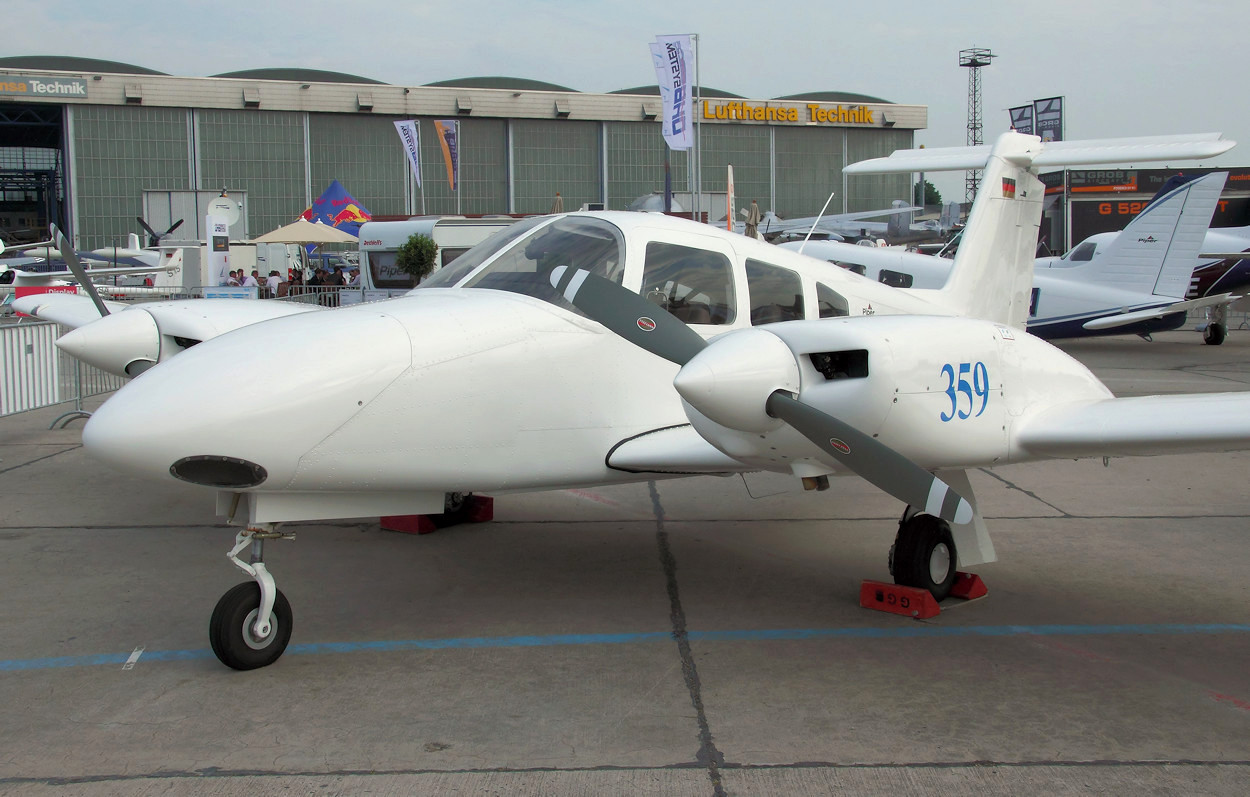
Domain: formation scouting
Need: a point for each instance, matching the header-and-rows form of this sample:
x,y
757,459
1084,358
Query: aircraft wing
x,y
1121,319
1138,426
69,309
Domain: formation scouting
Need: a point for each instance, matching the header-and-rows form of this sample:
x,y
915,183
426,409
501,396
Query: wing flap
x,y
1137,426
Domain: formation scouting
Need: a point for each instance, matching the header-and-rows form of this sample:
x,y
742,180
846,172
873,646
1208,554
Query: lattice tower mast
x,y
973,59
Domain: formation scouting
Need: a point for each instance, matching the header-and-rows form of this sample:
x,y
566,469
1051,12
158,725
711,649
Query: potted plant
x,y
416,256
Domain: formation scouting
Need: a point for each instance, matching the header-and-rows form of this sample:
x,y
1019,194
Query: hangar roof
x,y
72,63
499,82
298,74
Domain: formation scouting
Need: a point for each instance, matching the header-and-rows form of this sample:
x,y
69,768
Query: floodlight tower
x,y
973,59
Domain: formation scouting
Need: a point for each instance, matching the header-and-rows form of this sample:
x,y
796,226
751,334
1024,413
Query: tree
x,y
931,195
416,256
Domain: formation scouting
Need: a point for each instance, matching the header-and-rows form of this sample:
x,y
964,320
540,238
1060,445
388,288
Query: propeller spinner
x,y
717,378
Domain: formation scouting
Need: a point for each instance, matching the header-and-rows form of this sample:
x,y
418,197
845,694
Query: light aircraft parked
x,y
1134,281
839,226
16,272
594,348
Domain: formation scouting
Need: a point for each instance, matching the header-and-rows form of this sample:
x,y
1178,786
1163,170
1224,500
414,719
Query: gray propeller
x,y
71,260
653,328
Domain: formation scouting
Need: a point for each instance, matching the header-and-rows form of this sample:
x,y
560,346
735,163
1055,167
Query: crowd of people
x,y
274,286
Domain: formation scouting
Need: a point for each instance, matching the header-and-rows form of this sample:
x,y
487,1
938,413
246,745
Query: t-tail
x,y
992,273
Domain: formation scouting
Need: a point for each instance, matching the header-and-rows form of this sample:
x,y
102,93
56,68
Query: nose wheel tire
x,y
924,555
232,634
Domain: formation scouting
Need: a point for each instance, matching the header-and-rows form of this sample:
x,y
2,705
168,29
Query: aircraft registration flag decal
x,y
1009,187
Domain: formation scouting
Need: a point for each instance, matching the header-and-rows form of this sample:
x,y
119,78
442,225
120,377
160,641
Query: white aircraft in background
x,y
839,226
596,348
1134,281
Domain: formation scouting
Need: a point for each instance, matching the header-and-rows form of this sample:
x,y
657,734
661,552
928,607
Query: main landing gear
x,y
1216,330
923,555
251,624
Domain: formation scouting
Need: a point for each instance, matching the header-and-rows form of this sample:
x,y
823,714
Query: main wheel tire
x,y
924,555
1214,334
230,629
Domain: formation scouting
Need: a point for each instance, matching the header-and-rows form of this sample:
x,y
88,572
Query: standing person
x,y
272,283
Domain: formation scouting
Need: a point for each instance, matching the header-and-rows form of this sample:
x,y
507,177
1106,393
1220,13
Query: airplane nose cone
x,y
239,410
124,343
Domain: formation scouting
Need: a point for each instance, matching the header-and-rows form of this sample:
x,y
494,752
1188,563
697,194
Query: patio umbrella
x,y
305,232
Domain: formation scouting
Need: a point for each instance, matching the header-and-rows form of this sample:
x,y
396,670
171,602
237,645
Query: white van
x,y
380,242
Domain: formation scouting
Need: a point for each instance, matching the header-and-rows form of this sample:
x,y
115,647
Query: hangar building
x,y
81,140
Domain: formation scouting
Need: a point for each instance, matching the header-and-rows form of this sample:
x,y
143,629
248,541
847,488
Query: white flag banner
x,y
673,58
410,133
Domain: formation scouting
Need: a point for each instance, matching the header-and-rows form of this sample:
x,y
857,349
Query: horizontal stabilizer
x,y
1052,154
1123,319
1138,426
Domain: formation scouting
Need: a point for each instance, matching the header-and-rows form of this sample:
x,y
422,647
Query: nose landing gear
x,y
251,624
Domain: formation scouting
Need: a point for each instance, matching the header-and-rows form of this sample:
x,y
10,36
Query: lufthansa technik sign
x,y
24,86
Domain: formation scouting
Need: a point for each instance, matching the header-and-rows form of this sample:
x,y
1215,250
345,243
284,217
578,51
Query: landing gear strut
x,y
923,554
251,624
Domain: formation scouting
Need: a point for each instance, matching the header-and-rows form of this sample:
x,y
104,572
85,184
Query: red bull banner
x,y
447,139
339,209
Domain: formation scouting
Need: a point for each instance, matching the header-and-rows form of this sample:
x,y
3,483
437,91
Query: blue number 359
x,y
957,385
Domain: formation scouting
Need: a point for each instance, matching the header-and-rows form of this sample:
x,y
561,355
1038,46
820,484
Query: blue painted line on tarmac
x,y
572,640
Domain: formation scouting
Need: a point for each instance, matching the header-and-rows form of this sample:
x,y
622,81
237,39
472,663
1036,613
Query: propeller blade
x,y
152,234
873,461
643,323
173,227
71,260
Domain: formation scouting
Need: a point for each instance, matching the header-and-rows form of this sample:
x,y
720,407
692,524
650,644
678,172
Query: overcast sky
x,y
1124,68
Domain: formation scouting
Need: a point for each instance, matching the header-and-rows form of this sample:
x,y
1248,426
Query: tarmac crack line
x,y
707,755
41,459
207,773
1029,493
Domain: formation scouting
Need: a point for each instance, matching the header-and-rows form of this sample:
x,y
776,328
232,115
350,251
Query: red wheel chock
x,y
916,603
477,509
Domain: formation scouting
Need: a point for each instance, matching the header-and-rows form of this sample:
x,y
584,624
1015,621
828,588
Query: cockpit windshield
x,y
574,241
462,266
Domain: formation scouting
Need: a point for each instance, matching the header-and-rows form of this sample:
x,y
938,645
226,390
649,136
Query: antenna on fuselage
x,y
818,218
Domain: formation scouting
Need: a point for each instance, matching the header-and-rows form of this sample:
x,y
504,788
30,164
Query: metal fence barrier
x,y
36,374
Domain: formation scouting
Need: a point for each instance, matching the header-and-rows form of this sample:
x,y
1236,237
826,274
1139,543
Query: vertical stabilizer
x,y
993,271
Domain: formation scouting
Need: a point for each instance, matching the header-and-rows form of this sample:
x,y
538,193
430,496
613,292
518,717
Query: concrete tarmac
x,y
696,636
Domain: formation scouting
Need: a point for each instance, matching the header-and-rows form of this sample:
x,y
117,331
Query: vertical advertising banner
x,y
410,133
1049,118
447,139
1021,119
673,58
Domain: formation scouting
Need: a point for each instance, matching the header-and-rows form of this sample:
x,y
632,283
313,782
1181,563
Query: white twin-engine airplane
x,y
593,348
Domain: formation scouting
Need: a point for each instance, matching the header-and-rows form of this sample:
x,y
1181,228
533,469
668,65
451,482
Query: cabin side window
x,y
776,293
830,303
695,285
895,279
1082,253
